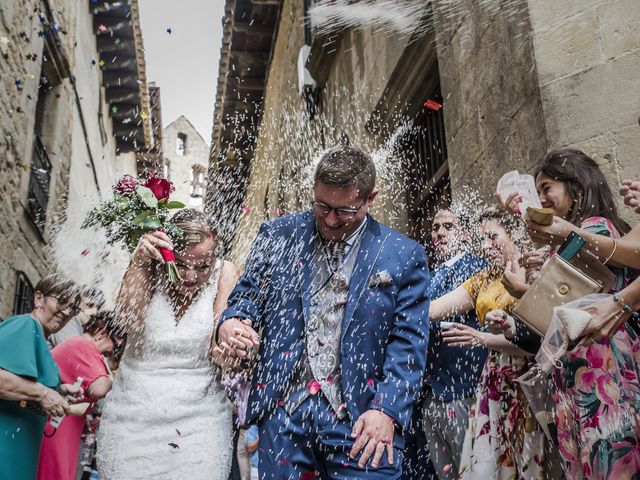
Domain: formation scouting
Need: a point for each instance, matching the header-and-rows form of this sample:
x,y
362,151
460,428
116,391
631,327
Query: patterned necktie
x,y
336,252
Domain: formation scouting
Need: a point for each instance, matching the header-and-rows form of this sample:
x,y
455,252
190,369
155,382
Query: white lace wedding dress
x,y
167,416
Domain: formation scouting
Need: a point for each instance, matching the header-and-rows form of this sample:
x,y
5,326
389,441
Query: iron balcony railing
x,y
39,180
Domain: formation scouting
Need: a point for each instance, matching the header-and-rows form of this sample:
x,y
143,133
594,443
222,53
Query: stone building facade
x,y
186,157
72,114
478,89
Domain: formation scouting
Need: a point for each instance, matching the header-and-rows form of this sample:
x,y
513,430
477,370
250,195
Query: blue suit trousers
x,y
313,443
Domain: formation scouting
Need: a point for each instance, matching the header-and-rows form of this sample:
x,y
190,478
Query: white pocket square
x,y
380,279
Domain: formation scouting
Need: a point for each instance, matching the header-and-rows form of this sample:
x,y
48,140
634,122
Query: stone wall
x,y
290,141
21,47
493,117
517,79
72,177
180,167
588,62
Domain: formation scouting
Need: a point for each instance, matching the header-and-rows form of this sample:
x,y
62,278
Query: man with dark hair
x,y
452,372
341,302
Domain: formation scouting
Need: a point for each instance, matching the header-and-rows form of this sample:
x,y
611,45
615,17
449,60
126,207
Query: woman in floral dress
x,y
597,386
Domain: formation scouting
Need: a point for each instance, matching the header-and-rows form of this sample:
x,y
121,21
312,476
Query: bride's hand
x,y
237,338
148,248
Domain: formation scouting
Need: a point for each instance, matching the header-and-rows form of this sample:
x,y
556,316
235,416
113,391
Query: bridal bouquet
x,y
138,206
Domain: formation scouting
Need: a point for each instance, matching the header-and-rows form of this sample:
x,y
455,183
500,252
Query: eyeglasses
x,y
343,213
448,226
63,303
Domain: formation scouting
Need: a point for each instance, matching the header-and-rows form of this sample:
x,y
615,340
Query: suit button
x,y
563,289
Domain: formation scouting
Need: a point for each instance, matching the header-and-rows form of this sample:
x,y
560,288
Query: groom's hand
x,y
237,338
373,431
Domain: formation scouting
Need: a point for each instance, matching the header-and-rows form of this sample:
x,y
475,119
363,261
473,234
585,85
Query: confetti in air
x,y
391,16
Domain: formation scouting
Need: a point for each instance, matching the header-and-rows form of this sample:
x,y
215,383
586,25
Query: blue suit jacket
x,y
385,330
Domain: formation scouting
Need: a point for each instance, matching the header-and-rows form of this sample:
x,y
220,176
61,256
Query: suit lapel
x,y
306,228
370,246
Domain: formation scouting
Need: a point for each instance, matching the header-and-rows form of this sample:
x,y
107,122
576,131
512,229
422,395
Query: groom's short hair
x,y
346,166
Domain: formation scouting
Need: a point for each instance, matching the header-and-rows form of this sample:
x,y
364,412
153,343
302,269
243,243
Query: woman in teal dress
x,y
29,377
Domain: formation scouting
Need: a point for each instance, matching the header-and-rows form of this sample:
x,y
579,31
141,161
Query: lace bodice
x,y
167,416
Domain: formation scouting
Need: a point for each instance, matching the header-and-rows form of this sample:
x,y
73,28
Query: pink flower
x,y
568,448
126,185
161,187
484,405
309,475
314,387
585,378
594,356
629,375
607,390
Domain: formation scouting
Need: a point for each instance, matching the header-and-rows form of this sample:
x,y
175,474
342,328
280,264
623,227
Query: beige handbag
x,y
560,282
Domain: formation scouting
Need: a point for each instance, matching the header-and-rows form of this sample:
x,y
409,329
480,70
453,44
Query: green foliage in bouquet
x,y
138,208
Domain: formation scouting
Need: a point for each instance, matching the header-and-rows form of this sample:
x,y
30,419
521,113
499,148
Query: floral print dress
x,y
597,394
503,440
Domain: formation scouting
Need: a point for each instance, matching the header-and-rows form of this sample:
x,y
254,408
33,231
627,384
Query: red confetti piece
x,y
102,28
178,432
174,445
260,385
85,252
446,468
433,105
309,475
314,387
370,382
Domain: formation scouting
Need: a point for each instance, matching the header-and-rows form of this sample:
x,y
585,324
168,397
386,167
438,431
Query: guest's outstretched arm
x,y
623,252
455,302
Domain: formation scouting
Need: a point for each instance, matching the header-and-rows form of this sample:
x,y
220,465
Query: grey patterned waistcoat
x,y
321,358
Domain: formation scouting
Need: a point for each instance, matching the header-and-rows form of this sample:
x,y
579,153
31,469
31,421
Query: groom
x,y
340,301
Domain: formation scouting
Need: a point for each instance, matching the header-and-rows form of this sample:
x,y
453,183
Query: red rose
x,y
161,187
126,185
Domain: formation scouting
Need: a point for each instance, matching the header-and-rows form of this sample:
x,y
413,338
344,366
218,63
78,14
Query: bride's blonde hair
x,y
195,225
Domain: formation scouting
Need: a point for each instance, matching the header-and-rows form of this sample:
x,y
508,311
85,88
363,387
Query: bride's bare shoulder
x,y
229,273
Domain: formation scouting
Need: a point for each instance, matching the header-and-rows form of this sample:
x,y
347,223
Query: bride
x,y
167,416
